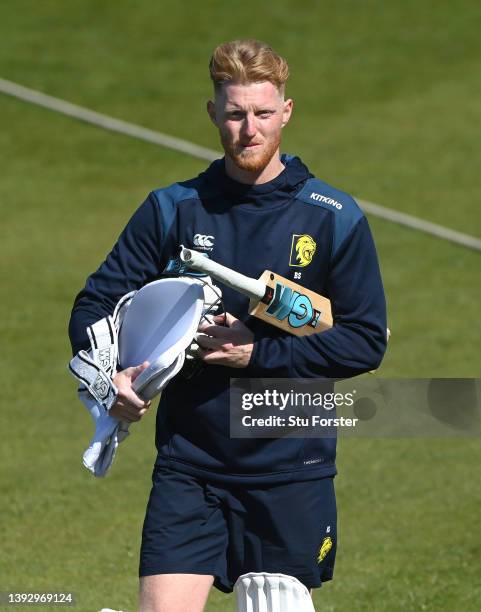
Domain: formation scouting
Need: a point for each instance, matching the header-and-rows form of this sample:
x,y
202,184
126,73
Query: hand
x,y
228,345
129,406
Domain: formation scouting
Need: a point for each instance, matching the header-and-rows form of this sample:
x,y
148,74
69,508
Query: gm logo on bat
x,y
284,303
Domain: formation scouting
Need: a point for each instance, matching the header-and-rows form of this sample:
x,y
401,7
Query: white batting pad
x,y
263,592
160,322
159,325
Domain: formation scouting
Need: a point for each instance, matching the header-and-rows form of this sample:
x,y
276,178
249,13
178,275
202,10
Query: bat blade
x,y
291,307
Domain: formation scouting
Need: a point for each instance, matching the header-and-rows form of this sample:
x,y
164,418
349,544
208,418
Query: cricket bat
x,y
273,298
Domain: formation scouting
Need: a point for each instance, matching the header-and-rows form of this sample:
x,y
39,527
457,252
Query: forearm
x,y
341,352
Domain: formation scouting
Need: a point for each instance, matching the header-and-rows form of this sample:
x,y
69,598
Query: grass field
x,y
388,108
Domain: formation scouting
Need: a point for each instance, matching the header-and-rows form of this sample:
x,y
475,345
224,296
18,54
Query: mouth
x,y
250,145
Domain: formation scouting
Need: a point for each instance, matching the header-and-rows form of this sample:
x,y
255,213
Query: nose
x,y
249,126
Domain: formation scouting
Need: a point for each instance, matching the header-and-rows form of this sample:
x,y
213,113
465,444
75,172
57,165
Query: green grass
x,y
387,107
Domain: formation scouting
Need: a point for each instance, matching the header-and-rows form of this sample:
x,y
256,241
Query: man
x,y
222,507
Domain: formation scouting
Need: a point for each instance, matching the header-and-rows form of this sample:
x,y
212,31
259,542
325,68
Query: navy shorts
x,y
195,527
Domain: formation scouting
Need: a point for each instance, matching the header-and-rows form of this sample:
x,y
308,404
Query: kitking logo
x,y
320,198
204,241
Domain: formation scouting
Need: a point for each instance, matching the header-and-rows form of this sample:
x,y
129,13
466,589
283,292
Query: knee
x,y
174,592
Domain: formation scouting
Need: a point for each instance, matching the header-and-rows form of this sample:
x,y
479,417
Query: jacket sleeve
x,y
133,262
357,341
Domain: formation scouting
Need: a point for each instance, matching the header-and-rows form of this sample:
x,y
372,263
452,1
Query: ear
x,y
211,112
287,111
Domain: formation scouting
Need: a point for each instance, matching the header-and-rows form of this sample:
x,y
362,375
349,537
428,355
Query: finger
x,y
235,324
210,356
138,370
230,320
130,408
134,412
220,319
124,413
203,325
207,342
128,397
216,331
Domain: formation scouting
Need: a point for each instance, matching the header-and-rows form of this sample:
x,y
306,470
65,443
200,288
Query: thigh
x,y
174,593
184,529
289,529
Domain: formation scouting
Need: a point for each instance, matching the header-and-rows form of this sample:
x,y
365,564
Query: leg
x,y
174,592
183,544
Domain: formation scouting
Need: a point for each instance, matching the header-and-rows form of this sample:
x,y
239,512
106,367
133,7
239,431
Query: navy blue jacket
x,y
253,228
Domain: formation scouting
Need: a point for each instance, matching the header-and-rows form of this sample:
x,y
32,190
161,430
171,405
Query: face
x,y
250,119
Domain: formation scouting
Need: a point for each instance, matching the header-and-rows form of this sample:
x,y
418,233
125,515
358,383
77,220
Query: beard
x,y
251,161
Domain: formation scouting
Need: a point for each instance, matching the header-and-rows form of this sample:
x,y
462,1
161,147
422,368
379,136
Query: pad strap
x,y
103,340
96,380
121,308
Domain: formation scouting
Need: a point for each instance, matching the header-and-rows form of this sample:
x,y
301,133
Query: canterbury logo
x,y
204,242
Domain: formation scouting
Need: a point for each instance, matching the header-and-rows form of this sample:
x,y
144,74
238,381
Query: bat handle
x,y
253,288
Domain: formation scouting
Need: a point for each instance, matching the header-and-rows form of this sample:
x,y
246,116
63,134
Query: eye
x,y
265,114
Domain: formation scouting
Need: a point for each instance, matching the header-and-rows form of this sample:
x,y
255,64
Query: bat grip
x,y
253,288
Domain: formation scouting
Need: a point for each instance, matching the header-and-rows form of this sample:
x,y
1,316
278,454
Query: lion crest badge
x,y
302,250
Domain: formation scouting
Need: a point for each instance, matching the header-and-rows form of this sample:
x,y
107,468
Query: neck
x,y
269,173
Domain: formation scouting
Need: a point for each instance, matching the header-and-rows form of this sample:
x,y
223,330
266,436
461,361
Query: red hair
x,y
247,61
